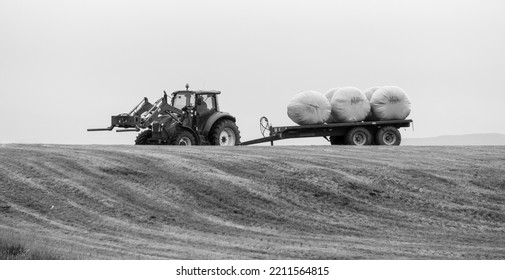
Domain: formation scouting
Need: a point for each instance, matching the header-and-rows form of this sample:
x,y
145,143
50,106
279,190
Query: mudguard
x,y
214,118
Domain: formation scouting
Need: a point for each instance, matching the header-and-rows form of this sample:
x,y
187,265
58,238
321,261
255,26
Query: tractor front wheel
x,y
184,138
143,137
225,133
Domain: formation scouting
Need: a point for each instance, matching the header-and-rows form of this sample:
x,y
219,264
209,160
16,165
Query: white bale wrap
x,y
390,103
309,107
349,104
329,95
368,93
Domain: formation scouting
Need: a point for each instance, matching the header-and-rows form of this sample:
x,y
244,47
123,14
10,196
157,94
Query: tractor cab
x,y
199,104
181,99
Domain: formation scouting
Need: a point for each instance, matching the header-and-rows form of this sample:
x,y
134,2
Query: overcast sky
x,y
66,66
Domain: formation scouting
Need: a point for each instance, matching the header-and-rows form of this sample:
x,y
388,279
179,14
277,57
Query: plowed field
x,y
289,202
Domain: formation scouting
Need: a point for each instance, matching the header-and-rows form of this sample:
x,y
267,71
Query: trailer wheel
x,y
337,140
358,136
225,133
389,136
184,138
143,137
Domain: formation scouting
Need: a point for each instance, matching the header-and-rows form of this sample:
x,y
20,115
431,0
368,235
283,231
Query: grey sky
x,y
68,65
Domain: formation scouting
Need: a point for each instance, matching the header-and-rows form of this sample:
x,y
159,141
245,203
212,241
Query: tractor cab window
x,y
207,101
182,100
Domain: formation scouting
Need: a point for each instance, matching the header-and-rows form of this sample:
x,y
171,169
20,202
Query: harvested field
x,y
289,202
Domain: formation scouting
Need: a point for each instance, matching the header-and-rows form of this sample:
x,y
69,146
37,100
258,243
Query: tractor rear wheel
x,y
225,133
184,138
389,136
143,137
358,136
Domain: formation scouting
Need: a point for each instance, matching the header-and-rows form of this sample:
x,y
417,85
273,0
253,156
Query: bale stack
x,y
349,104
309,107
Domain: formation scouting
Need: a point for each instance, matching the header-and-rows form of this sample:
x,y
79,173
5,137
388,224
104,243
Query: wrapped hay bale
x,y
309,107
349,104
390,103
368,93
329,95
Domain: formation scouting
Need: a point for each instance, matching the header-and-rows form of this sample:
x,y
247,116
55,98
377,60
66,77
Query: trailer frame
x,y
324,130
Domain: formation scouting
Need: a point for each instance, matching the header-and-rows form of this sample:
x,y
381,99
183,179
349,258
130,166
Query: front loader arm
x,y
160,107
143,106
142,115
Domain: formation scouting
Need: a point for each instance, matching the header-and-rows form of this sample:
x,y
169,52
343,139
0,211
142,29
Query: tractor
x,y
190,118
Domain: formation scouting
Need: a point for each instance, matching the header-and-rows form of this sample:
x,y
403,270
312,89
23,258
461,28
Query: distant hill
x,y
481,139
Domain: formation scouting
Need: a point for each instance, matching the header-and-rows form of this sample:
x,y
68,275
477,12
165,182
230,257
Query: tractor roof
x,y
198,92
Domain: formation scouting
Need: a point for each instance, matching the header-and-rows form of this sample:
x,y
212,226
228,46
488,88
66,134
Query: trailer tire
x,y
143,137
358,136
337,140
388,136
184,138
225,133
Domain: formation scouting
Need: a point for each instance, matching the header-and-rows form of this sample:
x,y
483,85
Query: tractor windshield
x,y
181,100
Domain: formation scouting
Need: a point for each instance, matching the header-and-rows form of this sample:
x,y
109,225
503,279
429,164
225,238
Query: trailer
x,y
356,133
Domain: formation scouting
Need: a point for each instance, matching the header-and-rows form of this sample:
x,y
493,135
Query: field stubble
x,y
297,202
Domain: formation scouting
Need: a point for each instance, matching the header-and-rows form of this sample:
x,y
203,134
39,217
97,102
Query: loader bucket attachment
x,y
125,121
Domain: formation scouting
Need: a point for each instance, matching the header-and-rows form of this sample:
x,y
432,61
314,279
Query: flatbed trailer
x,y
356,133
